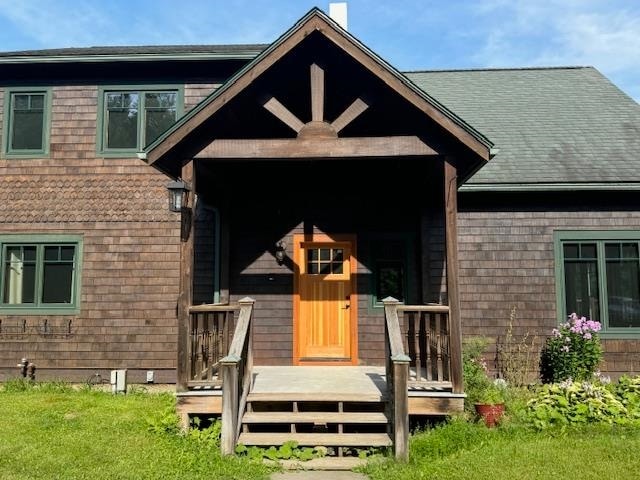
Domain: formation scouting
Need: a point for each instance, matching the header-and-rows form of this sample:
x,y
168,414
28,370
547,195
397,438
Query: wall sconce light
x,y
178,195
281,252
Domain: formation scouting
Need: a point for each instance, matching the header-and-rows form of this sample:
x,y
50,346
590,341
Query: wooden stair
x,y
330,420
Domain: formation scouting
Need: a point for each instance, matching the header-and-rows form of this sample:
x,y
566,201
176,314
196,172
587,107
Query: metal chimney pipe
x,y
338,12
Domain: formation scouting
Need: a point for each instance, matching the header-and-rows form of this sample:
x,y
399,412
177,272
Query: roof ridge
x,y
497,69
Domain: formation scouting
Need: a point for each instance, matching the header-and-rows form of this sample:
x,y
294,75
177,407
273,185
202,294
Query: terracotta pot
x,y
491,414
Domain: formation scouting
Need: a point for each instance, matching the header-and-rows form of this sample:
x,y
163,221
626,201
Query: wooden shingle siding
x,y
507,259
130,261
194,93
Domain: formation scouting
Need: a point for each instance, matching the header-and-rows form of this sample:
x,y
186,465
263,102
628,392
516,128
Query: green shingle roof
x,y
551,125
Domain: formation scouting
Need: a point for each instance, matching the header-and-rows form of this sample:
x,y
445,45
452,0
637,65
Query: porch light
x,y
178,195
281,252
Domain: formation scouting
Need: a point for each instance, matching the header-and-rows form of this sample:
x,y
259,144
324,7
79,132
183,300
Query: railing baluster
x,y
439,348
415,320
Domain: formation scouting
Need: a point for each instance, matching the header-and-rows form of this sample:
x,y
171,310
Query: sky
x,y
409,34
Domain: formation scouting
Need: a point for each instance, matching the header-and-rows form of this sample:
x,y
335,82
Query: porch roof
x,y
159,153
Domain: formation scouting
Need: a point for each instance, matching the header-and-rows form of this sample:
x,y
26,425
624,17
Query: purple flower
x,y
587,336
567,339
565,348
556,332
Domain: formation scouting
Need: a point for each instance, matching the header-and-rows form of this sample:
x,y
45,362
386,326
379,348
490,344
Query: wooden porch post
x,y
186,277
451,235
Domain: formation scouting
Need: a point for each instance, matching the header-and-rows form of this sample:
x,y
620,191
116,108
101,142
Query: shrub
x,y
516,355
474,370
573,352
574,403
627,390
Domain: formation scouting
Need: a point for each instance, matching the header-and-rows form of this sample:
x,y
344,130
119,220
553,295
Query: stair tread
x,y
313,439
314,397
314,417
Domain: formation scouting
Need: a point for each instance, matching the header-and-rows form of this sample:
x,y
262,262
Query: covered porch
x,y
333,183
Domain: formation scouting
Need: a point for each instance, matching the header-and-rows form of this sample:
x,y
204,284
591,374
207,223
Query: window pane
x,y
160,114
19,275
570,250
57,282
588,250
581,288
623,292
325,268
312,254
389,281
122,120
630,250
68,253
336,268
325,254
612,250
338,254
312,268
51,253
27,122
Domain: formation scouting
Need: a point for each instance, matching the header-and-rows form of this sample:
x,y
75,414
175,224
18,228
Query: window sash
x,y
13,277
27,122
618,301
155,111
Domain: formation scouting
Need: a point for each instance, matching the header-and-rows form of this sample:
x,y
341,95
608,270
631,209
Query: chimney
x,y
338,12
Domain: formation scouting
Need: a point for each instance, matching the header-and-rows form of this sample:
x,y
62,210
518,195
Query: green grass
x,y
52,432
462,450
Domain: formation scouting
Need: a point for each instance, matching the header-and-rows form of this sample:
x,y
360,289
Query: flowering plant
x,y
572,352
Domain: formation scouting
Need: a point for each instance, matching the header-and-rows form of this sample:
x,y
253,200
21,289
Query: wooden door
x,y
325,311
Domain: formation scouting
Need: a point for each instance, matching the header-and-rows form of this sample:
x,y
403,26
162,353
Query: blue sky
x,y
410,34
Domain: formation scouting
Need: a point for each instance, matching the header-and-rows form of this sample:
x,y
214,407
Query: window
x,y
599,277
389,270
40,274
325,261
133,118
26,131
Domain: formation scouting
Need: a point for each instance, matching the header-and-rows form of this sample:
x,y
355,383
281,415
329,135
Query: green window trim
x,y
40,241
8,123
101,133
599,238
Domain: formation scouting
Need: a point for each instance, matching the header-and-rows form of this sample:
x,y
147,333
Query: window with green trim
x,y
600,278
39,275
389,259
27,128
132,119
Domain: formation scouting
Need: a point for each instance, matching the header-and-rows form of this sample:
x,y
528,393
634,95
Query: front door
x,y
325,309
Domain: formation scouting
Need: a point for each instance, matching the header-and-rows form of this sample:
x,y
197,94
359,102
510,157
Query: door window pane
x,y
27,121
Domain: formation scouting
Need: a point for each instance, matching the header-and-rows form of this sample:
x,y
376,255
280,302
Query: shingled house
x,y
314,181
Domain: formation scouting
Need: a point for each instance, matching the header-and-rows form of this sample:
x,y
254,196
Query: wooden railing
x,y
426,339
210,333
397,372
237,369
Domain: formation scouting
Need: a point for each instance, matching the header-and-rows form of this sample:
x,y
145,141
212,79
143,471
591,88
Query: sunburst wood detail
x,y
317,127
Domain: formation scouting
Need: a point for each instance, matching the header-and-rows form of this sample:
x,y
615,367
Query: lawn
x,y
470,451
52,432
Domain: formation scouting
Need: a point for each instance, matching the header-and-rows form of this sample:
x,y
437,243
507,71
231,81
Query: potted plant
x,y
490,405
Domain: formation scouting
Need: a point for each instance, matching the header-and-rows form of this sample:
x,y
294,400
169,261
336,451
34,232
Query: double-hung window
x,y
134,118
598,276
27,113
40,274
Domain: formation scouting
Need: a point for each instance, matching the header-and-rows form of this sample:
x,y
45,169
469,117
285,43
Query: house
x,y
330,212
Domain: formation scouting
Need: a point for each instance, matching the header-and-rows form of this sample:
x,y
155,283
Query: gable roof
x,y
566,127
316,20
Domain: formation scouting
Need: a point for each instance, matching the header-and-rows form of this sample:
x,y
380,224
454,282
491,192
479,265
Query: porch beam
x,y
186,278
451,236
288,148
